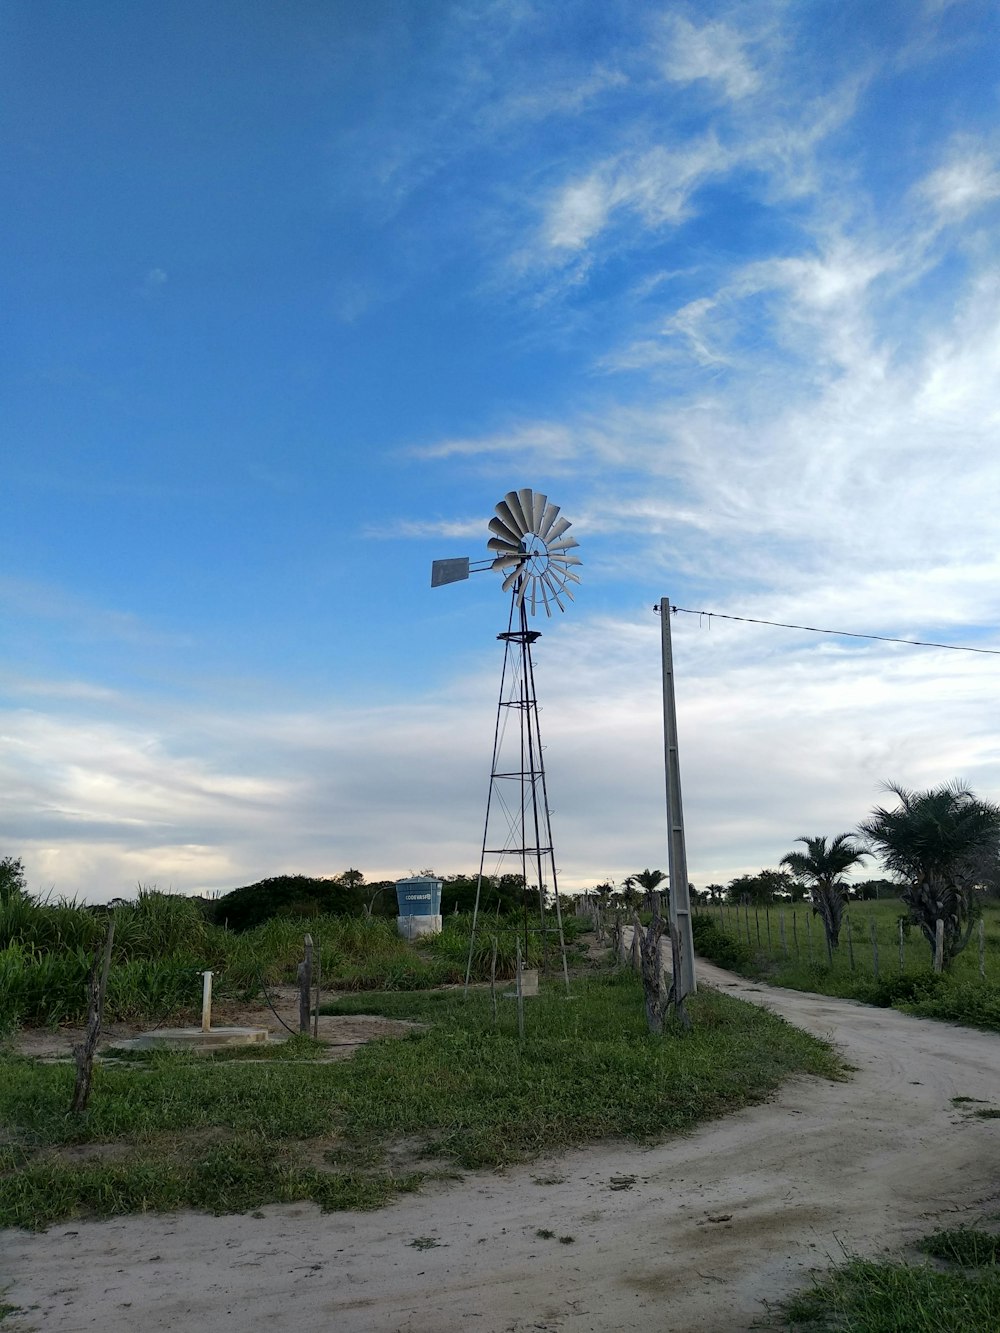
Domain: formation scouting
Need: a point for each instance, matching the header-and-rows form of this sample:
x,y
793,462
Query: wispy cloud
x,y
714,52
965,181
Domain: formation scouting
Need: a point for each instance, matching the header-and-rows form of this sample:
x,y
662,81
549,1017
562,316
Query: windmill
x,y
533,553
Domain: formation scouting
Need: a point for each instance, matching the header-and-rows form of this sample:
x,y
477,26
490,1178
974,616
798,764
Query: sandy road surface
x,y
711,1225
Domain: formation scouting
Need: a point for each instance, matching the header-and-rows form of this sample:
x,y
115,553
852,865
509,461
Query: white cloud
x,y
550,440
966,181
715,53
656,185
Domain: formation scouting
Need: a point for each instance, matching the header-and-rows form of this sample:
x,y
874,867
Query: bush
x,y
721,949
901,988
301,896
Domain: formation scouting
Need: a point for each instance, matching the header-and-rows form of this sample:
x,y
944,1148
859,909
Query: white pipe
x,y
206,1002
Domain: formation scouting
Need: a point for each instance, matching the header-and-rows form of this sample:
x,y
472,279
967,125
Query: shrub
x,y
721,949
900,988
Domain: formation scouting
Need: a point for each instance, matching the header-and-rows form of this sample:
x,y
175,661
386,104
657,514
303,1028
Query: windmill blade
x,y
522,588
503,544
564,576
556,530
553,590
534,594
561,591
537,510
549,516
502,529
527,499
511,579
565,563
566,544
509,518
514,505
505,562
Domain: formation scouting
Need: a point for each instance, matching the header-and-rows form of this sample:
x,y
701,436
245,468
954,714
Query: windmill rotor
x,y
529,547
532,550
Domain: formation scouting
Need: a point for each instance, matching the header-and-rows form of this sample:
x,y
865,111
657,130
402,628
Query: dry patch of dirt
x,y
343,1035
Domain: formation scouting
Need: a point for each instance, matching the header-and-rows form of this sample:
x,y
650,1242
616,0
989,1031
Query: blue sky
x,y
293,293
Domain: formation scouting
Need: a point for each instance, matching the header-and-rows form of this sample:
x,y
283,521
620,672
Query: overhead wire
x,y
840,633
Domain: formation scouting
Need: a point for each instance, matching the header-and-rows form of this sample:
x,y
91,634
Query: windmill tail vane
x,y
530,548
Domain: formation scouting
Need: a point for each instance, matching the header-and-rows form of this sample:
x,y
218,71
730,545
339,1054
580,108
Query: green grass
x,y
968,1246
865,1296
162,944
754,945
179,1131
862,1296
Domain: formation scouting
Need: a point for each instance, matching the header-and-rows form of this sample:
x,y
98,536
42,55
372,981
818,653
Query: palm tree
x,y
935,841
647,880
822,867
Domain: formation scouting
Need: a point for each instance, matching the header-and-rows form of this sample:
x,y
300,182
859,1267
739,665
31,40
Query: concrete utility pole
x,y
680,898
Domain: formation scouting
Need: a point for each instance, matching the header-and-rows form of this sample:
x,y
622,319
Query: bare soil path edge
x,y
692,1236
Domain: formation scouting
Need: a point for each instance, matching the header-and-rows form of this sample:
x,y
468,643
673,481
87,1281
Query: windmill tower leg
x,y
529,835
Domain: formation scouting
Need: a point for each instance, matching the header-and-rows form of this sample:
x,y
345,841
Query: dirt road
x,y
688,1237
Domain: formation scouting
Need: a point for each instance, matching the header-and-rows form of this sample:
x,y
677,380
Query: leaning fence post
x,y
305,984
939,945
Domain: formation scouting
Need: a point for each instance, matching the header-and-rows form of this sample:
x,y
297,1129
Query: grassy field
x,y
785,946
176,1130
163,943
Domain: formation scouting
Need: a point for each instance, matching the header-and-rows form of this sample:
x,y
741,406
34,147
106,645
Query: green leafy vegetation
x,y
163,942
176,1131
785,946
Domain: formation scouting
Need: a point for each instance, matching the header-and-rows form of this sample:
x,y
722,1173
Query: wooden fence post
x,y
850,941
84,1053
520,994
939,945
873,933
319,978
795,932
305,984
902,950
982,949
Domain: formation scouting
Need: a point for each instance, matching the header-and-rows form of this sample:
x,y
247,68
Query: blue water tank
x,y
419,896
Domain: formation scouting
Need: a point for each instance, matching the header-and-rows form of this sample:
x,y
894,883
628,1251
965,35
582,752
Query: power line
x,y
841,633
